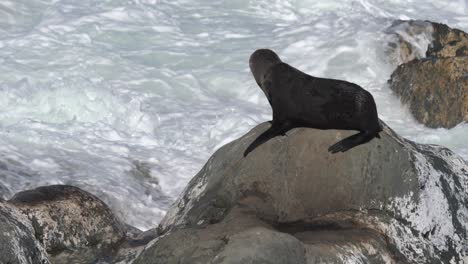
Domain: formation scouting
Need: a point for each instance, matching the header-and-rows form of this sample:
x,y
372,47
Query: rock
x,y
133,245
435,90
73,225
346,246
387,201
239,238
435,87
263,245
17,242
416,39
447,42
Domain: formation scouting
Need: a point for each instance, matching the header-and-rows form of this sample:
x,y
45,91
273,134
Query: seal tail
x,y
352,141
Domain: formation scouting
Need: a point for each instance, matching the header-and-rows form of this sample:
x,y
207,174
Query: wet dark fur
x,y
301,100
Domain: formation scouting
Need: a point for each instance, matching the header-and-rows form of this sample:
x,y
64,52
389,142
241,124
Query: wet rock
x,y
433,79
387,201
133,245
436,91
408,40
346,246
447,42
239,238
416,39
73,225
262,245
17,242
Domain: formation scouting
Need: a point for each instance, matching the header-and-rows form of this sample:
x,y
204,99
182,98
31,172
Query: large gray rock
x,y
17,242
240,238
387,201
73,225
347,246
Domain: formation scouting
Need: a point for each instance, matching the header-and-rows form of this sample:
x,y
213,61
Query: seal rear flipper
x,y
273,131
352,141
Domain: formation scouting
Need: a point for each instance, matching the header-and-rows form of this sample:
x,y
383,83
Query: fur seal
x,y
301,100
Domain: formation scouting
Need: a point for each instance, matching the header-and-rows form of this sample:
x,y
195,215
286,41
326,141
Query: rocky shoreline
x,y
388,201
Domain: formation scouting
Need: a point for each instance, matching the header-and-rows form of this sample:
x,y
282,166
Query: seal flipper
x,y
352,141
275,130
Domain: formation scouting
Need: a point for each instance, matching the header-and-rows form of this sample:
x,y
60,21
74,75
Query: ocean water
x,y
127,99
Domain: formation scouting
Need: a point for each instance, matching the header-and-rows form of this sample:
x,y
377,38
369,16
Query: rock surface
x,y
417,39
447,42
239,238
433,79
17,242
289,201
435,90
73,225
387,201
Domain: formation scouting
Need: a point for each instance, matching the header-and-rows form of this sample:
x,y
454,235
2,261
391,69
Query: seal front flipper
x,y
352,141
275,130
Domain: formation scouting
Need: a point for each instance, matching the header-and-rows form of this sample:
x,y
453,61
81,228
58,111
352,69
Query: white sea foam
x,y
128,99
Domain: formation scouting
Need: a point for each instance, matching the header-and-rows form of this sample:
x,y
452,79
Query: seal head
x,y
260,62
